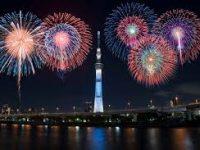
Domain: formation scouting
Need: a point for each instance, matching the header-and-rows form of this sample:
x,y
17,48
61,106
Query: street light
x,y
74,108
29,110
151,101
129,105
42,109
109,106
176,98
57,108
18,111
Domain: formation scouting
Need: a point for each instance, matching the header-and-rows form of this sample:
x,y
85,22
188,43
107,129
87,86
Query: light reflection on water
x,y
40,137
184,139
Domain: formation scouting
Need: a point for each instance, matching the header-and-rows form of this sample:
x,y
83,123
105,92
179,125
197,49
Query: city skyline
x,y
45,87
100,74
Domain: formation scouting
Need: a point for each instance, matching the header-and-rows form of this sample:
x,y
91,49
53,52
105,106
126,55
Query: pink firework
x,y
152,61
181,28
67,41
61,39
130,29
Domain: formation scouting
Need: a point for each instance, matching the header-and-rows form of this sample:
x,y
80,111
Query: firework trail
x,y
67,41
20,45
125,25
182,30
152,61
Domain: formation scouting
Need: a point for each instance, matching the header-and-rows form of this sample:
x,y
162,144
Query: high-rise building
x,y
98,101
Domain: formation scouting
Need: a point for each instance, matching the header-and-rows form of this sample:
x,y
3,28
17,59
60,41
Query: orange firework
x,y
20,44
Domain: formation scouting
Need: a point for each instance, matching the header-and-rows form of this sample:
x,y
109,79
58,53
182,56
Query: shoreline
x,y
123,119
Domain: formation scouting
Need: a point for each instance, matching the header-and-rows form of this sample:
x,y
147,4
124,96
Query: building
x,y
193,110
88,106
175,102
5,110
98,101
151,105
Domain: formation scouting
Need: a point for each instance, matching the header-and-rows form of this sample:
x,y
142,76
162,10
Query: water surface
x,y
39,137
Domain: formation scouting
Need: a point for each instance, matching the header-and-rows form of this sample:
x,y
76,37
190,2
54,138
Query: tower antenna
x,y
98,39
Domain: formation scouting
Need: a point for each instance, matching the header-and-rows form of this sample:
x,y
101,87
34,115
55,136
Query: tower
x,y
98,101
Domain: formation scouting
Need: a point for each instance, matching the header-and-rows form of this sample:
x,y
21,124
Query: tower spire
x,y
98,54
98,39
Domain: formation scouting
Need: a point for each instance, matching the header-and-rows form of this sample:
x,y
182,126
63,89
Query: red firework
x,y
130,29
152,61
64,61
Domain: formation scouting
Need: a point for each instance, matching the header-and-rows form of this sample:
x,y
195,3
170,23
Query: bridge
x,y
178,109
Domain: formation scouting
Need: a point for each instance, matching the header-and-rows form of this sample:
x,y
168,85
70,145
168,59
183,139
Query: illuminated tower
x,y
98,101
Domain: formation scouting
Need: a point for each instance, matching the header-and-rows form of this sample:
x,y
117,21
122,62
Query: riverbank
x,y
128,119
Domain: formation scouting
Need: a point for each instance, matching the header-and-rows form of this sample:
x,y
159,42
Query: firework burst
x,y
19,44
125,25
182,30
130,29
67,41
152,61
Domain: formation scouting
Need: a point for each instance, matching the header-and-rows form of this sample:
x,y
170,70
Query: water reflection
x,y
109,134
74,138
153,139
130,139
40,136
54,137
25,136
14,135
182,140
96,139
28,137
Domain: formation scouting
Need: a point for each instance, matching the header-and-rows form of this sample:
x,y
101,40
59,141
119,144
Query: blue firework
x,y
67,41
142,17
62,40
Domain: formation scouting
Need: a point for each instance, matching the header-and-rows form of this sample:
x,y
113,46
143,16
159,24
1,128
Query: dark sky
x,y
45,89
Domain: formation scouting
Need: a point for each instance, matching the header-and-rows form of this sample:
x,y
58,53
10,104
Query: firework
x,y
125,25
62,40
20,44
67,41
182,30
152,61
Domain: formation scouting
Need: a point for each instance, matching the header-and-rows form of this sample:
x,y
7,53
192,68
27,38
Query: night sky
x,y
45,89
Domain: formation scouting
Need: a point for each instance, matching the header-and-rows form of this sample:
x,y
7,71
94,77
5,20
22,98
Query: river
x,y
27,137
